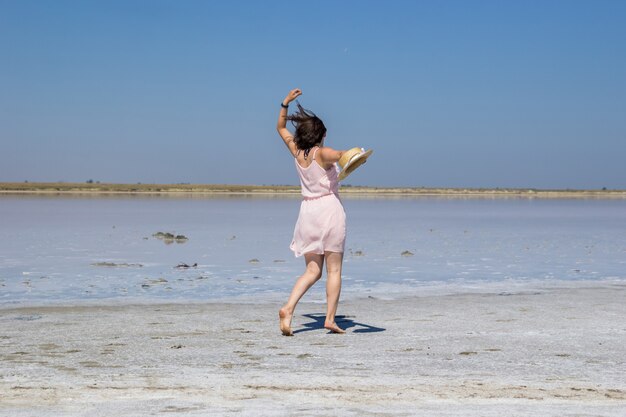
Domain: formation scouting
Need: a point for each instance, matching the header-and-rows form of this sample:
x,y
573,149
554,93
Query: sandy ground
x,y
557,352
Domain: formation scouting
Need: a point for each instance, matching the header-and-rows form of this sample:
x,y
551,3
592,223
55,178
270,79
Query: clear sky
x,y
447,93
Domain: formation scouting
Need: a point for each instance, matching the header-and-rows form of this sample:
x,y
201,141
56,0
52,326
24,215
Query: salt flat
x,y
550,352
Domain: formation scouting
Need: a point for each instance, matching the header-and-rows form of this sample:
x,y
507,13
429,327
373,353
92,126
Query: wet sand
x,y
551,352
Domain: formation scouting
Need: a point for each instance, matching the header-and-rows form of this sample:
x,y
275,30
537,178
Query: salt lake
x,y
102,249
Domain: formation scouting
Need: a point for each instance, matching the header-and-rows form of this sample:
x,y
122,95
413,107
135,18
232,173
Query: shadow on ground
x,y
342,321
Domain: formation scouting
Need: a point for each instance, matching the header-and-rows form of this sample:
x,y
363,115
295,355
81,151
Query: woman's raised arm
x,y
281,125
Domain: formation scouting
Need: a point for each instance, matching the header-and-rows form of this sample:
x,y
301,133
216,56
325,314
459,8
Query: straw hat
x,y
351,160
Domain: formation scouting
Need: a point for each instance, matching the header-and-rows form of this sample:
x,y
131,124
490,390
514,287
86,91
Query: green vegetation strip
x,y
102,188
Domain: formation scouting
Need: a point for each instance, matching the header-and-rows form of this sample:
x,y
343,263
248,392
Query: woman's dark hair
x,y
310,129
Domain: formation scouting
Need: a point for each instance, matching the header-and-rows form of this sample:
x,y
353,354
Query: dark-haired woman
x,y
320,231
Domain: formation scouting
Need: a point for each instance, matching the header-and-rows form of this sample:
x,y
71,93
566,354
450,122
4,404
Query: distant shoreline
x,y
63,188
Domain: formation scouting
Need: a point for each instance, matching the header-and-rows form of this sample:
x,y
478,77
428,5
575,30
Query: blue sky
x,y
447,93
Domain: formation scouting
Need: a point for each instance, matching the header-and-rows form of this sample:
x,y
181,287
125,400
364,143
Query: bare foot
x,y
334,328
285,321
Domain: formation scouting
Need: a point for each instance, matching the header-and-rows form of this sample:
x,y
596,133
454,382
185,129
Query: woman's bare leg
x,y
312,274
334,262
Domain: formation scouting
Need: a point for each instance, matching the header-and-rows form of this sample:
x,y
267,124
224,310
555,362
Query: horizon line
x,y
139,187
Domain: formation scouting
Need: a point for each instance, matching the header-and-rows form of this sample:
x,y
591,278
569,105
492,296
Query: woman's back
x,y
316,181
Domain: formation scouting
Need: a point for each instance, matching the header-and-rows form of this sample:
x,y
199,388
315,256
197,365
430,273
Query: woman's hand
x,y
293,94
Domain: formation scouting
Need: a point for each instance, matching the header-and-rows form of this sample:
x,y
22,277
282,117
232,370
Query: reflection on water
x,y
56,249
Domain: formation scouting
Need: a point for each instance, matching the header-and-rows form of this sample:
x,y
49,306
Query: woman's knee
x,y
332,270
314,273
314,269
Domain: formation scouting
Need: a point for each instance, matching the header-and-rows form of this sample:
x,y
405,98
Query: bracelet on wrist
x,y
284,106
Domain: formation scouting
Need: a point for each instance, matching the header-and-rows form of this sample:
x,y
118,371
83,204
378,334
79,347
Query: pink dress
x,y
321,225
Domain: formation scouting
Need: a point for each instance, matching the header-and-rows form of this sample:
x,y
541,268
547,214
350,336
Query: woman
x,y
320,231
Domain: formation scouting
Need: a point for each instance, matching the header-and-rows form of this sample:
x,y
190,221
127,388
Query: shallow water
x,y
51,246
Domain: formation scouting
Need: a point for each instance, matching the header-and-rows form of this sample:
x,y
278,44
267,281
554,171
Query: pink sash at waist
x,y
316,197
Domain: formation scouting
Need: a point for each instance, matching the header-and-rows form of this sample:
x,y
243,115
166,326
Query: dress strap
x,y
315,151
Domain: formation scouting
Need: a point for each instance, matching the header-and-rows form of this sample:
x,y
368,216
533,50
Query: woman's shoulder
x,y
329,156
326,151
326,148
